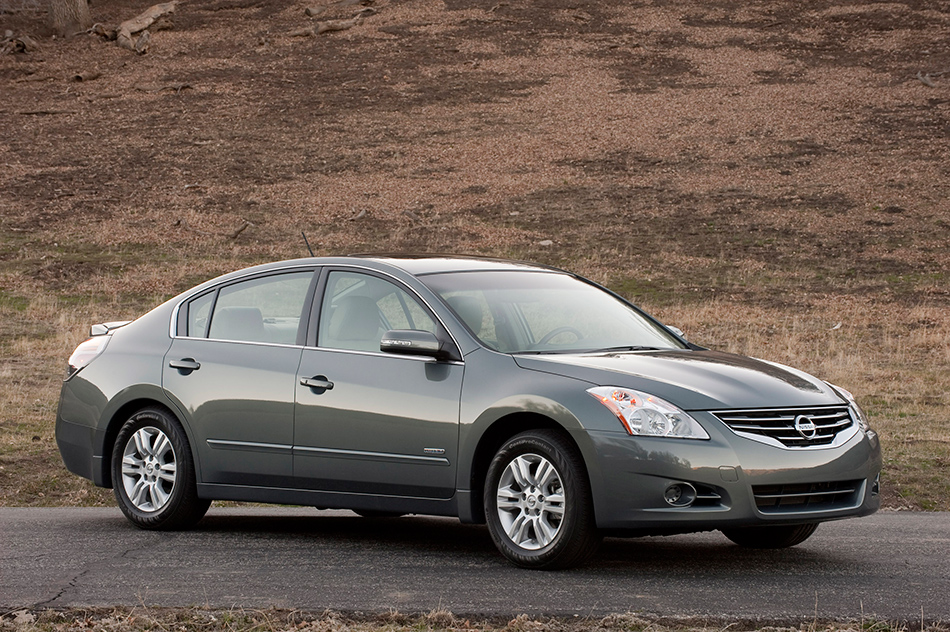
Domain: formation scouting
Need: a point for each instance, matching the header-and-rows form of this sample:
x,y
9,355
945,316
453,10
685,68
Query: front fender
x,y
500,399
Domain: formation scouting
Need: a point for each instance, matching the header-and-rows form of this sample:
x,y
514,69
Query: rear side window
x,y
199,315
266,309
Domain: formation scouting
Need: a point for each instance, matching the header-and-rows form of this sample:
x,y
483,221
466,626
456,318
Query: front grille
x,y
806,497
779,424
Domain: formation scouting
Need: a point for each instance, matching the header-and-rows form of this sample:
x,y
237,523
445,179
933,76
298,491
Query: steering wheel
x,y
546,338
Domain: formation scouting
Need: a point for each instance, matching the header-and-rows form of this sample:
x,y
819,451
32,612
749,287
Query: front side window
x,y
540,312
266,309
359,308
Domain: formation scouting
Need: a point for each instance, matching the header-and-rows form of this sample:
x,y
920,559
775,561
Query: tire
x,y
538,502
774,537
153,474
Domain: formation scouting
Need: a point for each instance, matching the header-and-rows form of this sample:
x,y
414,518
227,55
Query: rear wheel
x,y
153,475
538,502
771,537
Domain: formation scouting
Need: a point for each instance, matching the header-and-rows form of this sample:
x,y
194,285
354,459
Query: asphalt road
x,y
889,566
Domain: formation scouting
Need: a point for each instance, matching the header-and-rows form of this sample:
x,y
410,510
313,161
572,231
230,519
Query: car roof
x,y
413,265
418,265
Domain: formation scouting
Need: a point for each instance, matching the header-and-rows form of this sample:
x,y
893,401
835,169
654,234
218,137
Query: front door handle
x,y
319,382
185,364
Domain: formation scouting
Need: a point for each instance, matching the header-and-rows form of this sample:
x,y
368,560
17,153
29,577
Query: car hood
x,y
693,380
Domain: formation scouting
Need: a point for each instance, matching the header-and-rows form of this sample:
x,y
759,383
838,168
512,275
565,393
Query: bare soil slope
x,y
769,166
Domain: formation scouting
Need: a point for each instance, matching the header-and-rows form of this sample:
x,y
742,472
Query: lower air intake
x,y
807,497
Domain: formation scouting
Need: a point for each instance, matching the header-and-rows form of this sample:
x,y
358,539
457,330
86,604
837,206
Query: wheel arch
x,y
493,438
118,418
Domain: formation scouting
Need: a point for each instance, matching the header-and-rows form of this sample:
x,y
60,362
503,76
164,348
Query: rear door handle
x,y
185,364
319,381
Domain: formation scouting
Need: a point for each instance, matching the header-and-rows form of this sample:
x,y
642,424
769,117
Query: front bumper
x,y
728,481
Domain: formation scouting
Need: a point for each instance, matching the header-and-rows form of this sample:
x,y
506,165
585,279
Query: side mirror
x,y
413,342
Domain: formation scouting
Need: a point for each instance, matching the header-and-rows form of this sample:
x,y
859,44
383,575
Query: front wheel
x,y
771,537
538,502
153,475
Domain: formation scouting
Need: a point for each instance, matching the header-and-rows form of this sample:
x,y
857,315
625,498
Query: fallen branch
x,y
141,44
180,223
22,44
176,87
103,31
88,75
44,112
338,25
925,79
326,27
240,230
140,23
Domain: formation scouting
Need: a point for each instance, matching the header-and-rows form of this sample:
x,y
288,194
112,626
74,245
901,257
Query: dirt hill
x,y
771,159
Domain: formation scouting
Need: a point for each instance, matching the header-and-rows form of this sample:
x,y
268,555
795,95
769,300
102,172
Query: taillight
x,y
86,353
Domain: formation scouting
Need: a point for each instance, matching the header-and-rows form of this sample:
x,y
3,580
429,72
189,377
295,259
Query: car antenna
x,y
306,241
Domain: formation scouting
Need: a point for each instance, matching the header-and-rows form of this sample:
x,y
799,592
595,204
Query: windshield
x,y
544,312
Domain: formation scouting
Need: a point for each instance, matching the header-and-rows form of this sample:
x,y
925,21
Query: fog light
x,y
876,487
680,495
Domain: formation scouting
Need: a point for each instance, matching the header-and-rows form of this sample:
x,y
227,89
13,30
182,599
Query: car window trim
x,y
384,354
183,315
179,329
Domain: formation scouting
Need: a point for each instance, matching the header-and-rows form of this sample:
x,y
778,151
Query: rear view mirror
x,y
412,342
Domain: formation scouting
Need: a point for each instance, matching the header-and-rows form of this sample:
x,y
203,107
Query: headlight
x,y
856,411
85,353
647,415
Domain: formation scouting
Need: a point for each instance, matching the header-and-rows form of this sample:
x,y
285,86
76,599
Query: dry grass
x,y
143,619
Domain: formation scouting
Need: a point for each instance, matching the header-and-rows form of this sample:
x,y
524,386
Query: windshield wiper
x,y
626,348
604,350
547,351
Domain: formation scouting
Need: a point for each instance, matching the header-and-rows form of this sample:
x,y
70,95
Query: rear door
x,y
232,370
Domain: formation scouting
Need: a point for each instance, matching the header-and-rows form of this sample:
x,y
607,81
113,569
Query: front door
x,y
373,422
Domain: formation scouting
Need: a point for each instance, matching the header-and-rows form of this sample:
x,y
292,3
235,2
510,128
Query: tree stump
x,y
68,17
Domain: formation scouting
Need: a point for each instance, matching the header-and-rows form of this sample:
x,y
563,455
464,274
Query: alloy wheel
x,y
149,469
530,501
